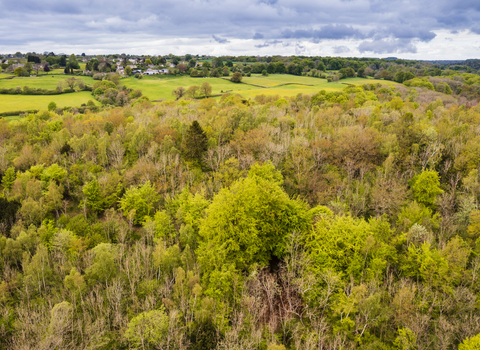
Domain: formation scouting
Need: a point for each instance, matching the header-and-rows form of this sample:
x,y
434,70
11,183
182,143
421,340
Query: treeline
x,y
341,220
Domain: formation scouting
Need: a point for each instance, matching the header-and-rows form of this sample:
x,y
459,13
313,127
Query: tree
x,y
46,68
182,67
72,62
215,73
148,330
321,66
93,196
206,89
128,70
472,343
54,197
192,91
237,77
8,212
9,178
361,72
75,282
139,202
226,72
426,187
103,268
205,72
192,63
247,224
20,71
205,336
194,143
217,62
406,340
264,73
179,92
148,61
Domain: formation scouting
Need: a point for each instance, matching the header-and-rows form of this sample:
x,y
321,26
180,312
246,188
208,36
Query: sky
x,y
411,29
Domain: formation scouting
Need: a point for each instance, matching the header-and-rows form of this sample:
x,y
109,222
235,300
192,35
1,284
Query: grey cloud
x,y
340,49
337,31
381,25
268,2
269,43
387,46
219,39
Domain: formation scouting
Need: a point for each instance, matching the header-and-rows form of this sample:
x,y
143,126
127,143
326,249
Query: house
x,y
164,70
15,66
171,65
151,72
136,71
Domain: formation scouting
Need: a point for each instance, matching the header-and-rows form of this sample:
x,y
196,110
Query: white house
x,y
151,72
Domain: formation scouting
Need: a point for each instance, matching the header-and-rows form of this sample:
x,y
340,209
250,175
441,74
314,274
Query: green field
x,y
361,81
280,79
161,88
10,103
48,82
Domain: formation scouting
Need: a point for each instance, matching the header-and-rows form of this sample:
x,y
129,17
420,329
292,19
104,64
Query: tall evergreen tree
x,y
194,143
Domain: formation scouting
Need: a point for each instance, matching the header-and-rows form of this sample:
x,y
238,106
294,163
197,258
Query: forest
x,y
335,220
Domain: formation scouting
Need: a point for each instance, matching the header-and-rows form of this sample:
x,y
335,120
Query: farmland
x,y
28,102
160,88
41,82
275,84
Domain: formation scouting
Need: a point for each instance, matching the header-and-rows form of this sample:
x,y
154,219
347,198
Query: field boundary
x,y
242,82
7,114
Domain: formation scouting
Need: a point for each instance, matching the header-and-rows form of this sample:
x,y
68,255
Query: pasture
x,y
10,103
48,82
160,88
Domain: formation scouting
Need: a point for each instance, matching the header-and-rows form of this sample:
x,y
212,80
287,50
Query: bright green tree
x,y
148,330
139,202
406,340
472,343
426,187
9,178
93,196
248,224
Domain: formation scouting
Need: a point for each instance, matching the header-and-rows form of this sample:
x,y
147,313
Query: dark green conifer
x,y
194,143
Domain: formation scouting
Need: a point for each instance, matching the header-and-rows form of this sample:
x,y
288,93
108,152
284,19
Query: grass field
x,y
27,102
48,82
282,84
279,79
162,88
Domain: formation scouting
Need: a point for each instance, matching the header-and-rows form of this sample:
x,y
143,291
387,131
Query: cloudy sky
x,y
416,29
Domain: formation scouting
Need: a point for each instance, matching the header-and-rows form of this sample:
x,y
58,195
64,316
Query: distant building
x,y
151,72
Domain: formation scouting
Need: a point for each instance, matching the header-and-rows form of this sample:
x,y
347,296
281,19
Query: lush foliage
x,y
338,220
